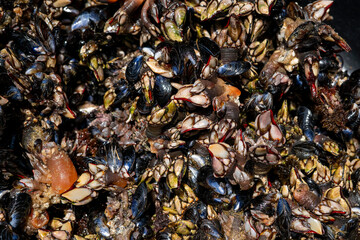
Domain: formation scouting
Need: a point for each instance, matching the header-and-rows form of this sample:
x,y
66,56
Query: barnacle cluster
x,y
159,119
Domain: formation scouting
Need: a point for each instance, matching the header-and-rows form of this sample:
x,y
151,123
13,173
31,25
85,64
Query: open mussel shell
x,y
172,31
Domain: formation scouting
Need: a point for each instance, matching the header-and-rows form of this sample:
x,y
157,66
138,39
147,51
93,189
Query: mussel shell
x,y
163,236
164,190
304,150
242,200
177,62
196,212
114,157
24,43
212,229
122,92
14,94
20,210
142,107
47,87
207,48
144,227
284,218
45,35
139,201
133,69
98,225
141,163
91,18
129,156
188,53
162,90
6,232
306,122
233,69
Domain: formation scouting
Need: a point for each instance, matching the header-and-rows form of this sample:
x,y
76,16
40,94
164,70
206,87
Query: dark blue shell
x,y
20,210
133,69
162,90
233,69
139,201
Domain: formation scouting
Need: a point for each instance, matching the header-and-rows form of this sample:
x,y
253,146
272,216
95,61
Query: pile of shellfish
x,y
159,119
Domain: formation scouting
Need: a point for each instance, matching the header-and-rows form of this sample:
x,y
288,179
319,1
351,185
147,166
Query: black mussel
x,y
163,236
34,68
142,106
301,33
260,102
305,150
14,94
328,233
133,69
144,228
217,186
71,11
176,61
139,201
47,87
45,34
163,191
6,233
233,68
69,70
284,218
207,48
213,190
329,63
192,176
99,226
24,43
114,157
188,54
91,18
20,207
353,117
129,156
350,229
122,92
306,122
242,199
263,204
162,90
15,163
209,230
196,212
142,161
350,89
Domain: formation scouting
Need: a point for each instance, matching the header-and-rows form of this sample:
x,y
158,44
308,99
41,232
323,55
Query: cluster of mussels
x,y
160,119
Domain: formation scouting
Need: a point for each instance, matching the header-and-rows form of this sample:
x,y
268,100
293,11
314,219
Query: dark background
x,y
346,22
